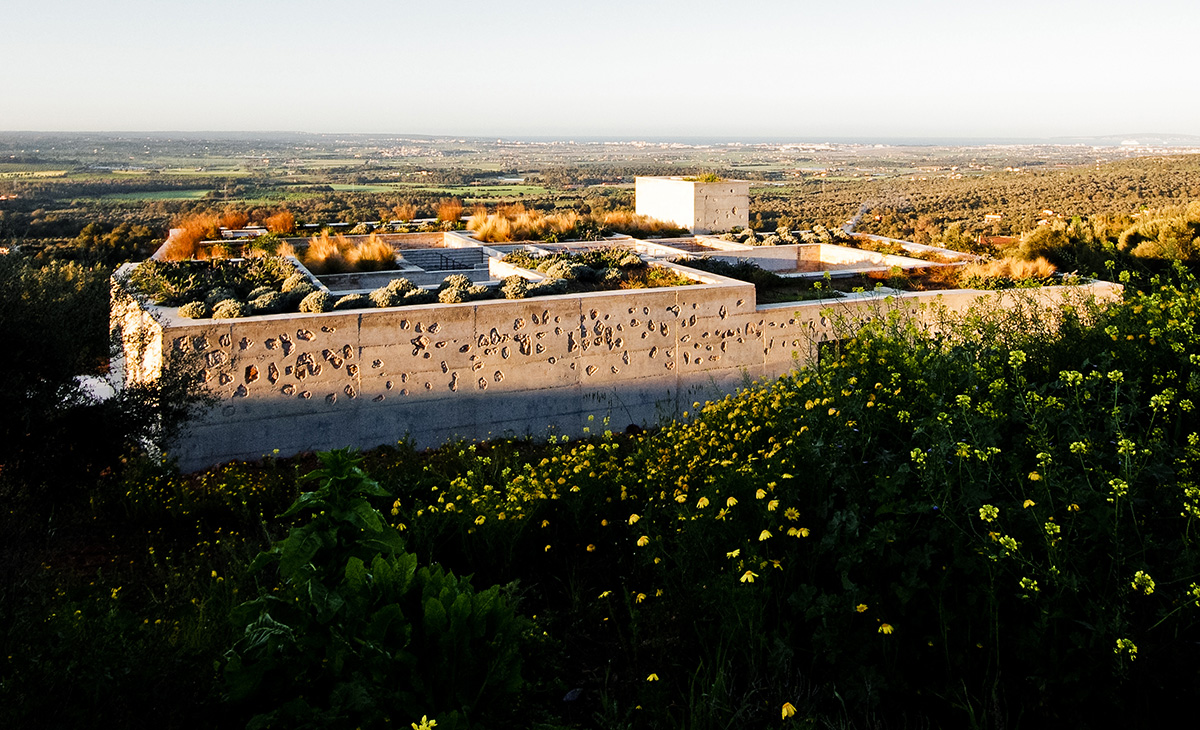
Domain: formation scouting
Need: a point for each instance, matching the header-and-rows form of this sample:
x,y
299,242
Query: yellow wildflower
x,y
480,520
640,597
1028,503
772,505
605,594
1126,646
1034,476
760,494
702,503
1143,582
643,541
748,576
426,724
788,710
791,513
885,628
733,553
633,518
731,501
989,513
652,678
861,608
764,535
591,548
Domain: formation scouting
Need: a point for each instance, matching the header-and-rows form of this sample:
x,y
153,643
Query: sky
x,y
616,68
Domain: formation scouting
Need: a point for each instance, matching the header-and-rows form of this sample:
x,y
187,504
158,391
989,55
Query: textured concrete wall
x,y
300,382
721,206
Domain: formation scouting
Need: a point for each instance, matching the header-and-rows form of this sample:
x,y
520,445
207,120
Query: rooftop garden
x,y
771,288
233,288
517,223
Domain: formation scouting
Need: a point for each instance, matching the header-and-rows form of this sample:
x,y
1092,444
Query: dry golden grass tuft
x,y
186,234
1011,268
324,254
281,222
630,223
337,254
233,219
450,210
405,212
514,222
370,255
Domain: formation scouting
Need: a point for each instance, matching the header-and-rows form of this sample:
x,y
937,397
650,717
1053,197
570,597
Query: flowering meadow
x,y
980,523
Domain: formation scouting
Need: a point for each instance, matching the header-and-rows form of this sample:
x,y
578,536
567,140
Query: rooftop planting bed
x,y
772,288
596,269
232,288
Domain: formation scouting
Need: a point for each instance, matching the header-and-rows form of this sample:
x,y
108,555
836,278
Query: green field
x,y
158,195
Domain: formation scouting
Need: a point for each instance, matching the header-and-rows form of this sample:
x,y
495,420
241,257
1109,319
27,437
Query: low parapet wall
x,y
301,382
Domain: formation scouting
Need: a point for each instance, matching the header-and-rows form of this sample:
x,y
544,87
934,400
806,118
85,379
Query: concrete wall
x,y
696,206
300,382
721,206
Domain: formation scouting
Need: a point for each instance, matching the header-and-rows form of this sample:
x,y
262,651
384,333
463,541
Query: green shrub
x,y
260,291
515,287
419,296
392,295
570,271
195,310
456,281
229,309
353,301
610,276
295,281
548,287
351,633
317,302
219,294
272,302
453,295
481,291
297,294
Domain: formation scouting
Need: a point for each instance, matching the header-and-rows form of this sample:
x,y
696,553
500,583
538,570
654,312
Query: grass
x,y
1008,272
337,254
516,223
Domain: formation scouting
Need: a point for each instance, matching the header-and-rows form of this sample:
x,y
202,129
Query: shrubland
x,y
985,522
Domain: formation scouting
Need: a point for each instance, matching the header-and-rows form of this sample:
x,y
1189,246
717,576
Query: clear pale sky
x,y
621,68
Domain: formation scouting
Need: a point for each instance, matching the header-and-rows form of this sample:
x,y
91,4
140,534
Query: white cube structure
x,y
700,207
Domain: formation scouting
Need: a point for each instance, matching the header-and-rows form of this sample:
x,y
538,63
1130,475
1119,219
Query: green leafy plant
x,y
353,633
